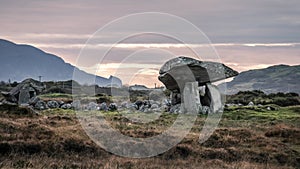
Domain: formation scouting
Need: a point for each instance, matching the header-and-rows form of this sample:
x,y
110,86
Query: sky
x,y
244,34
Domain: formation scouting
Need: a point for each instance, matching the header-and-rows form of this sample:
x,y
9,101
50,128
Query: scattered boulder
x,y
103,106
41,105
92,106
139,103
34,100
251,104
53,104
76,105
175,109
154,106
66,106
113,107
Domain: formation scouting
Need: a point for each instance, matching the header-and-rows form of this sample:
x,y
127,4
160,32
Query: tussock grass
x,y
246,138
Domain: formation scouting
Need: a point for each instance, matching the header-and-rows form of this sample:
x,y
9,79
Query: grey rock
x,y
157,110
154,106
132,106
103,106
205,110
76,105
139,103
92,106
52,104
113,107
175,98
33,100
142,108
124,105
147,110
66,106
250,104
176,72
41,105
175,109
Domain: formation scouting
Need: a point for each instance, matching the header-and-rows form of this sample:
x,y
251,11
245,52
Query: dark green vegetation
x,y
278,78
259,97
247,137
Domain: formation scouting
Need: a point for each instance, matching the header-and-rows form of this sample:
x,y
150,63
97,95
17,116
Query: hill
x,y
278,78
19,62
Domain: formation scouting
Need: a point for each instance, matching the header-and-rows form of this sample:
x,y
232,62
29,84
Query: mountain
x,y
278,78
19,62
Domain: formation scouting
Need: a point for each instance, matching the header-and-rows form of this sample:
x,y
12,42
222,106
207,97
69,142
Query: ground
x,y
247,137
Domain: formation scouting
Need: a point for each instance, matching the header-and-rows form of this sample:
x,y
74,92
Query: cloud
x,y
246,34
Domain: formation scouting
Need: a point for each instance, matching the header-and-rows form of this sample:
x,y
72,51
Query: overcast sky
x,y
246,34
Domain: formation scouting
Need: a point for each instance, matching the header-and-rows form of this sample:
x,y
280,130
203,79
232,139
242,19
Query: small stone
x,y
251,104
113,107
66,106
41,105
52,104
103,106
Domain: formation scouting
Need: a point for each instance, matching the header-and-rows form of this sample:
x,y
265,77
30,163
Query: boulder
x,y
33,100
250,104
175,109
113,107
103,106
92,106
41,105
76,105
139,103
52,104
154,106
66,106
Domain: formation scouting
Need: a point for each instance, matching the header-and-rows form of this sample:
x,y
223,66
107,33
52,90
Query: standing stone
x,y
191,98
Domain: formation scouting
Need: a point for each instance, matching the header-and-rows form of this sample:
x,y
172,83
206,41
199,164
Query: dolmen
x,y
177,72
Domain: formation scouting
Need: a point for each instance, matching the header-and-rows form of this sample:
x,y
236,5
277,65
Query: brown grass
x,y
56,140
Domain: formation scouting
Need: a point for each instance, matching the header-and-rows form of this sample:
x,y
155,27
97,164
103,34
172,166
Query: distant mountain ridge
x,y
19,62
277,78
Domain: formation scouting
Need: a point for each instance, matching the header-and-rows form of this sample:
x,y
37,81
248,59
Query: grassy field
x,y
247,137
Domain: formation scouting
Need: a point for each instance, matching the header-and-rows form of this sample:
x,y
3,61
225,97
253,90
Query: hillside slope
x,y
278,78
19,62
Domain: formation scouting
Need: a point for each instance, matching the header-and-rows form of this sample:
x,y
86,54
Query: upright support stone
x,y
23,96
191,98
216,104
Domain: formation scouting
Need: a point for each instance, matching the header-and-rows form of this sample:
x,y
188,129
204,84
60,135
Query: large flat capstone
x,y
176,72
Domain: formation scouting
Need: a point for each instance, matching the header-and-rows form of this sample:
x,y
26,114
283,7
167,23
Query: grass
x,y
247,137
55,95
